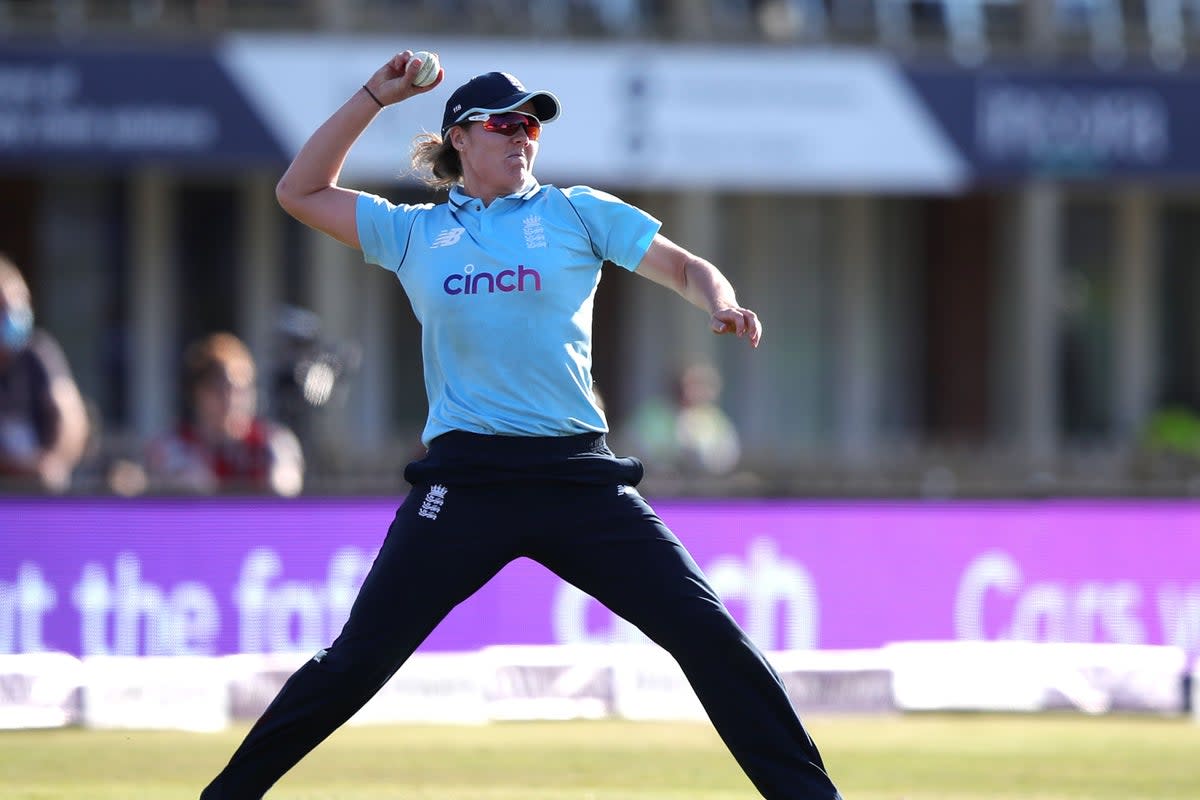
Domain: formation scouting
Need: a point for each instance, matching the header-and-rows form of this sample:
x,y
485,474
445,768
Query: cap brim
x,y
545,106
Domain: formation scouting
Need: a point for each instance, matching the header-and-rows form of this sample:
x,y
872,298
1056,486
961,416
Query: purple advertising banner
x,y
97,576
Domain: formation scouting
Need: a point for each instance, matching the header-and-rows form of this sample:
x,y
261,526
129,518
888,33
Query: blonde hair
x,y
435,161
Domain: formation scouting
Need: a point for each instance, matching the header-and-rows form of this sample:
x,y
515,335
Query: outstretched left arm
x,y
701,284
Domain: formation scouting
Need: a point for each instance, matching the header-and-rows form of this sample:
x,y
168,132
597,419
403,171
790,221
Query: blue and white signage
x,y
1012,124
669,117
113,107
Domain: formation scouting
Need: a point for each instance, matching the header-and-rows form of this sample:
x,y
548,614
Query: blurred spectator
x,y
310,372
1173,432
689,433
221,444
43,422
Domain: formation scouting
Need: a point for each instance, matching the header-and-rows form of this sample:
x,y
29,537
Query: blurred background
x,y
971,228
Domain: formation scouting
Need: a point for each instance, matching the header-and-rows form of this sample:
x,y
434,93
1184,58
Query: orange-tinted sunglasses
x,y
509,122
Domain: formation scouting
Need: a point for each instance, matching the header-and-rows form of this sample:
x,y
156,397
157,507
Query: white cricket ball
x,y
427,74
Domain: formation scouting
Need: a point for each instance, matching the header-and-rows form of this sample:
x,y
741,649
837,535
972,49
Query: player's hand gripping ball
x,y
428,71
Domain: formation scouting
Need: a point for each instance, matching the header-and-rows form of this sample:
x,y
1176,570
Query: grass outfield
x,y
978,757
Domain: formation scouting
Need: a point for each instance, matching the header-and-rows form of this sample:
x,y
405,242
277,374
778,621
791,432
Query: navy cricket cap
x,y
495,92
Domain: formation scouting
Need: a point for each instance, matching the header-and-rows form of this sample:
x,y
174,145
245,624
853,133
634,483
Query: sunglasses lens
x,y
509,124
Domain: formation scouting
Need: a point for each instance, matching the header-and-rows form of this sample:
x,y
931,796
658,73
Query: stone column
x,y
153,389
1137,273
258,292
856,321
1036,342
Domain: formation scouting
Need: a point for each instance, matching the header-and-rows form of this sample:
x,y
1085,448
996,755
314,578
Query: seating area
x,y
1109,32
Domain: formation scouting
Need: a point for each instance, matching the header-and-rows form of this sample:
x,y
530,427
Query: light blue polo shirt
x,y
504,296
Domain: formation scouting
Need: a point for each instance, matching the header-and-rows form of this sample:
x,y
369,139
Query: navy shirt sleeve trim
x,y
586,230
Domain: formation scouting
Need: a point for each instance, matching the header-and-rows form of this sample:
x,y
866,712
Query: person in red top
x,y
222,444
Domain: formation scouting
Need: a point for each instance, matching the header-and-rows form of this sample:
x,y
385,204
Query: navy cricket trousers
x,y
602,537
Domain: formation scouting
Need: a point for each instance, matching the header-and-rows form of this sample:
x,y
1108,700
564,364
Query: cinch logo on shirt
x,y
521,279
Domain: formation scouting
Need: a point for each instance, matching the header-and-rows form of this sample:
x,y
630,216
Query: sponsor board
x,y
96,577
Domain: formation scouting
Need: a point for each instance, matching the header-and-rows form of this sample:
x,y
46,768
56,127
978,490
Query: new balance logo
x,y
435,498
448,237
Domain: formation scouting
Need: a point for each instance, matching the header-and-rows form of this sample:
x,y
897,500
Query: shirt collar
x,y
459,198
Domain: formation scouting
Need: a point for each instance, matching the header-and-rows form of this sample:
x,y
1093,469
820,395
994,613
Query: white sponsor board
x,y
648,684
39,690
672,117
1031,676
155,692
836,681
631,681
255,678
547,681
430,687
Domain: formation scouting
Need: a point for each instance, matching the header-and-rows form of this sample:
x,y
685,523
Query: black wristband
x,y
372,96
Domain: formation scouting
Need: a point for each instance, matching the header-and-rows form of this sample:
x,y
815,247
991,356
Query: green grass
x,y
921,757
